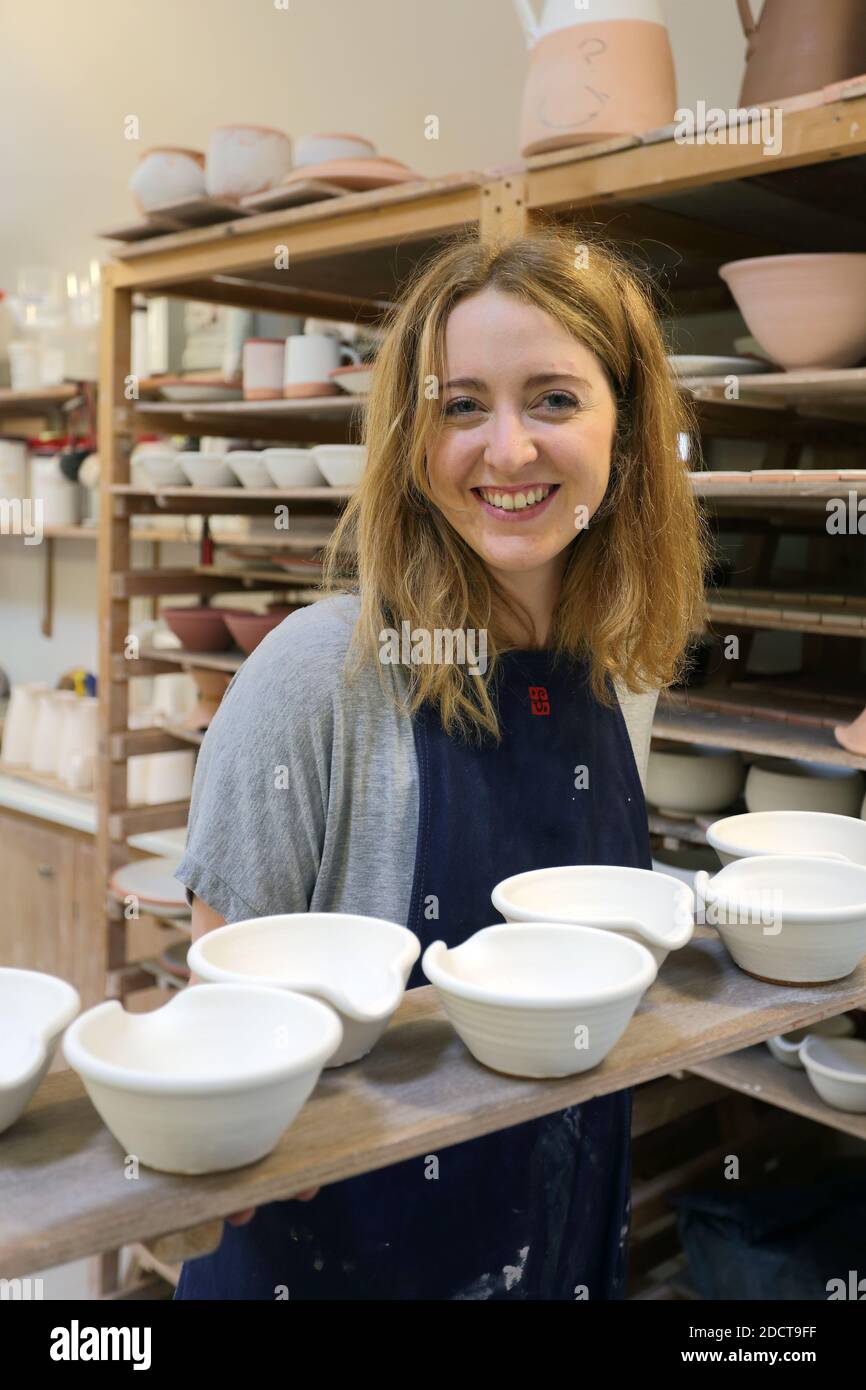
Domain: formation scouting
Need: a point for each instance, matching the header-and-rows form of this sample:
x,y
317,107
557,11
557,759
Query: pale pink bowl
x,y
805,310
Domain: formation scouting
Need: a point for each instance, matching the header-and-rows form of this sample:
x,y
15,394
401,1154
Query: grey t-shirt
x,y
306,788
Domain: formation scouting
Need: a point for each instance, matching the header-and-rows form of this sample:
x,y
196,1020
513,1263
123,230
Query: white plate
x,y
686,366
152,881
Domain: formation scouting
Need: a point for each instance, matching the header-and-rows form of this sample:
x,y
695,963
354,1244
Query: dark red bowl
x,y
200,629
249,629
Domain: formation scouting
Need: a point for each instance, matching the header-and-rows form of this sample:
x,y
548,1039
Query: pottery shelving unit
x,y
681,210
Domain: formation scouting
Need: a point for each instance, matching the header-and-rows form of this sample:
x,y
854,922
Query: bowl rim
x,y
637,983
717,838
788,256
744,894
669,938
119,1078
66,1006
822,1068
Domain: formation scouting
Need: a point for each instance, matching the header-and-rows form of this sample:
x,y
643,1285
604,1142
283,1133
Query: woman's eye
x,y
559,400
462,405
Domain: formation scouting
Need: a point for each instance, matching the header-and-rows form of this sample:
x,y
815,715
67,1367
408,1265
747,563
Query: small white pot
x,y
167,174
694,779
358,965
292,467
342,465
787,920
249,468
804,833
20,724
836,1068
207,470
207,1082
163,470
785,1047
655,909
540,999
245,159
34,1010
781,784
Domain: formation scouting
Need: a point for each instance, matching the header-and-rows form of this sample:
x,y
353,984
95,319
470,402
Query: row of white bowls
x,y
700,780
833,1059
337,465
213,1078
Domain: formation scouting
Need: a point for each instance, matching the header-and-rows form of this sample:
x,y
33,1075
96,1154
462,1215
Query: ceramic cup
x,y
46,736
167,174
310,357
263,360
20,725
245,159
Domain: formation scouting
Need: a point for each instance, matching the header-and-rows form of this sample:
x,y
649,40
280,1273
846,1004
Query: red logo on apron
x,y
539,699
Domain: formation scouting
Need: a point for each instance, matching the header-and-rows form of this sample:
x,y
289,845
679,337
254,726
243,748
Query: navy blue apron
x,y
537,1211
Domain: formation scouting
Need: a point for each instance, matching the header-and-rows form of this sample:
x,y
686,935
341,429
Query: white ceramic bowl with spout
x,y
210,1080
540,999
358,965
836,1068
34,1010
789,920
785,1047
655,909
808,834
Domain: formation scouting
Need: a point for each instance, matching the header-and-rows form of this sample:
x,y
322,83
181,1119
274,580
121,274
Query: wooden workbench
x,y
63,1193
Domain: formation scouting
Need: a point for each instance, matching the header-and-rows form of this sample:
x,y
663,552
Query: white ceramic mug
x,y
20,724
263,360
311,357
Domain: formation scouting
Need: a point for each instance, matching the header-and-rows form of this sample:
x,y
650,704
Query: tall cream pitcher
x,y
596,69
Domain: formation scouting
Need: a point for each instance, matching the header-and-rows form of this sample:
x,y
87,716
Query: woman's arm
x,y
204,919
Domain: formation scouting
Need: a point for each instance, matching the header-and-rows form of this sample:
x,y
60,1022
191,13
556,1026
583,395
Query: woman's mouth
x,y
516,503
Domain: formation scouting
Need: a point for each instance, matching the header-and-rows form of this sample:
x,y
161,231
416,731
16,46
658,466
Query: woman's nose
x,y
508,445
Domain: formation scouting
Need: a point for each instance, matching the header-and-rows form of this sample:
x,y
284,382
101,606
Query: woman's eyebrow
x,y
472,383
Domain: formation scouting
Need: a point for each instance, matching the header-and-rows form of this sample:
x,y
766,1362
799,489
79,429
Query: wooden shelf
x,y
684,723
62,1192
37,401
211,661
246,413
756,1073
200,501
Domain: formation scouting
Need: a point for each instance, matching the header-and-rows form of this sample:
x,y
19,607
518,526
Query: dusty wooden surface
x,y
755,1072
63,1193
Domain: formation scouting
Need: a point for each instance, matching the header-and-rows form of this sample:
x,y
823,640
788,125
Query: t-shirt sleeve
x,y
259,801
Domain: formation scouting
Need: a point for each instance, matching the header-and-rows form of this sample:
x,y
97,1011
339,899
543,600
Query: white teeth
x,y
515,501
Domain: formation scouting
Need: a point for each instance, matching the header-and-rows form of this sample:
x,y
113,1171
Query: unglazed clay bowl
x,y
808,834
34,1010
693,779
836,1068
207,470
789,784
248,466
358,965
163,470
342,465
210,1080
167,174
292,467
316,149
655,909
244,159
249,629
806,310
788,920
785,1047
540,999
200,629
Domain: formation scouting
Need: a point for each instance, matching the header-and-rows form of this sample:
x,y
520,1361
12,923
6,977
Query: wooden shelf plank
x,y
40,399
179,656
62,1190
756,1073
750,734
246,412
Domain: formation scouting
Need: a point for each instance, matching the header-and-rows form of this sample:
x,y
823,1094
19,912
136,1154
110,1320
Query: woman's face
x,y
523,458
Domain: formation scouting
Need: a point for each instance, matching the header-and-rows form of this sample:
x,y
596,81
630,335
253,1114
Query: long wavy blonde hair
x,y
632,592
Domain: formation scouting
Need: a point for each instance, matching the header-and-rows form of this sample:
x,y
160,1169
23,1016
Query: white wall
x,y
73,72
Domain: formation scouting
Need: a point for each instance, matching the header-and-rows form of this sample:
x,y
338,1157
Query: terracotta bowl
x,y
805,310
200,629
249,629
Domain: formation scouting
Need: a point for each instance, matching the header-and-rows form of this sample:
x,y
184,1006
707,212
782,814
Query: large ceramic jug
x,y
597,69
799,46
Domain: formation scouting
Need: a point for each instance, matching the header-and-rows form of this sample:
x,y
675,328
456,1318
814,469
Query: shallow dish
x,y
342,465
356,379
788,920
785,1047
695,365
804,833
655,909
34,1010
790,784
153,884
693,779
836,1068
540,999
210,1080
249,468
292,468
358,965
207,470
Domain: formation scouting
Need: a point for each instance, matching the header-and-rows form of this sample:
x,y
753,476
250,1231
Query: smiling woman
x,y
523,488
